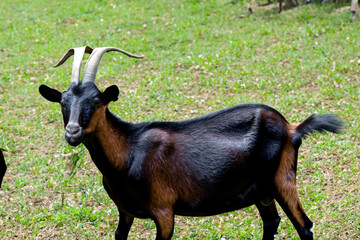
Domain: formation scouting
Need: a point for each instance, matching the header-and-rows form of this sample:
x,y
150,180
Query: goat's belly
x,y
133,207
213,206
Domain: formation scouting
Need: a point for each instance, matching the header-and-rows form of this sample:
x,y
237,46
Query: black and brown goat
x,y
2,166
220,162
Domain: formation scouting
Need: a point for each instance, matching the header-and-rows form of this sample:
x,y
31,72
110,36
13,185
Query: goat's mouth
x,y
74,139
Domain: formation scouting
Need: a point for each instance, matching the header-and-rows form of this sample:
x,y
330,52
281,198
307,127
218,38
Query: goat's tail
x,y
324,122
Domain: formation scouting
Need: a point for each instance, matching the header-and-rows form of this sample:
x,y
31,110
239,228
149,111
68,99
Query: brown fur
x,y
285,180
162,193
169,181
114,145
292,128
97,120
164,220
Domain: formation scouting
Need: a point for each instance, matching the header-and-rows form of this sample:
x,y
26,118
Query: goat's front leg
x,y
164,220
270,218
125,222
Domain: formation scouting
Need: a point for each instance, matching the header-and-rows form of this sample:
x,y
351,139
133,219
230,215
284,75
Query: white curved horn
x,y
78,56
92,63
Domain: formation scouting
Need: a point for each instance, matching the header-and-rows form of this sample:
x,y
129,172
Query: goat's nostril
x,y
72,128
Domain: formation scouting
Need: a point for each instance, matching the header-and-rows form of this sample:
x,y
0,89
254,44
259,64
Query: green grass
x,y
200,56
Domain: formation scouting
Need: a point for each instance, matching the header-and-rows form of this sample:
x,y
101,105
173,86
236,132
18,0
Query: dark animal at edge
x,y
220,162
2,167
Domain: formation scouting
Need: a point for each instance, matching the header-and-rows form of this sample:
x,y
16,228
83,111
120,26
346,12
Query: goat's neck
x,y
108,146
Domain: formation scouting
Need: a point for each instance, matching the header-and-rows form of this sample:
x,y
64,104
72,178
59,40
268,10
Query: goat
x,y
220,162
2,166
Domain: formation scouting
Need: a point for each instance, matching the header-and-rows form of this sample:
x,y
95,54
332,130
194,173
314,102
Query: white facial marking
x,y
312,228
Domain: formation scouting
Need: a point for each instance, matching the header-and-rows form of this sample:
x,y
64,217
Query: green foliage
x,y
200,56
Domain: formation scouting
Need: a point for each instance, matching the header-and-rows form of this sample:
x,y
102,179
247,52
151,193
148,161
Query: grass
x,y
200,56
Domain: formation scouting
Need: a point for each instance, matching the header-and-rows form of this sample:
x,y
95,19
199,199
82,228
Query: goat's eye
x,y
97,102
63,105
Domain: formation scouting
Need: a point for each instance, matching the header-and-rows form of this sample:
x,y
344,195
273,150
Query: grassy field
x,y
200,56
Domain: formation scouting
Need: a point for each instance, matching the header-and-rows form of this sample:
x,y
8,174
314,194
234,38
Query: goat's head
x,y
82,102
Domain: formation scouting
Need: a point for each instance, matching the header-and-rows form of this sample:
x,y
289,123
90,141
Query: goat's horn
x,y
78,56
92,63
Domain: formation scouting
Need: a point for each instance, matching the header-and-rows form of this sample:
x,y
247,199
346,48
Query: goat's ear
x,y
50,94
110,94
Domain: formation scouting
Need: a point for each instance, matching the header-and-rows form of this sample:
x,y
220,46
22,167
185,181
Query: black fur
x,y
110,94
2,166
50,93
324,122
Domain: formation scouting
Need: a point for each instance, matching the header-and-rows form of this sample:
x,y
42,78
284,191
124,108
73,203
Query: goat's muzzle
x,y
73,134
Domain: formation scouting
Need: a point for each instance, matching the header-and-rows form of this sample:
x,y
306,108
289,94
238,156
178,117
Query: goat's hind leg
x,y
270,218
124,226
289,201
